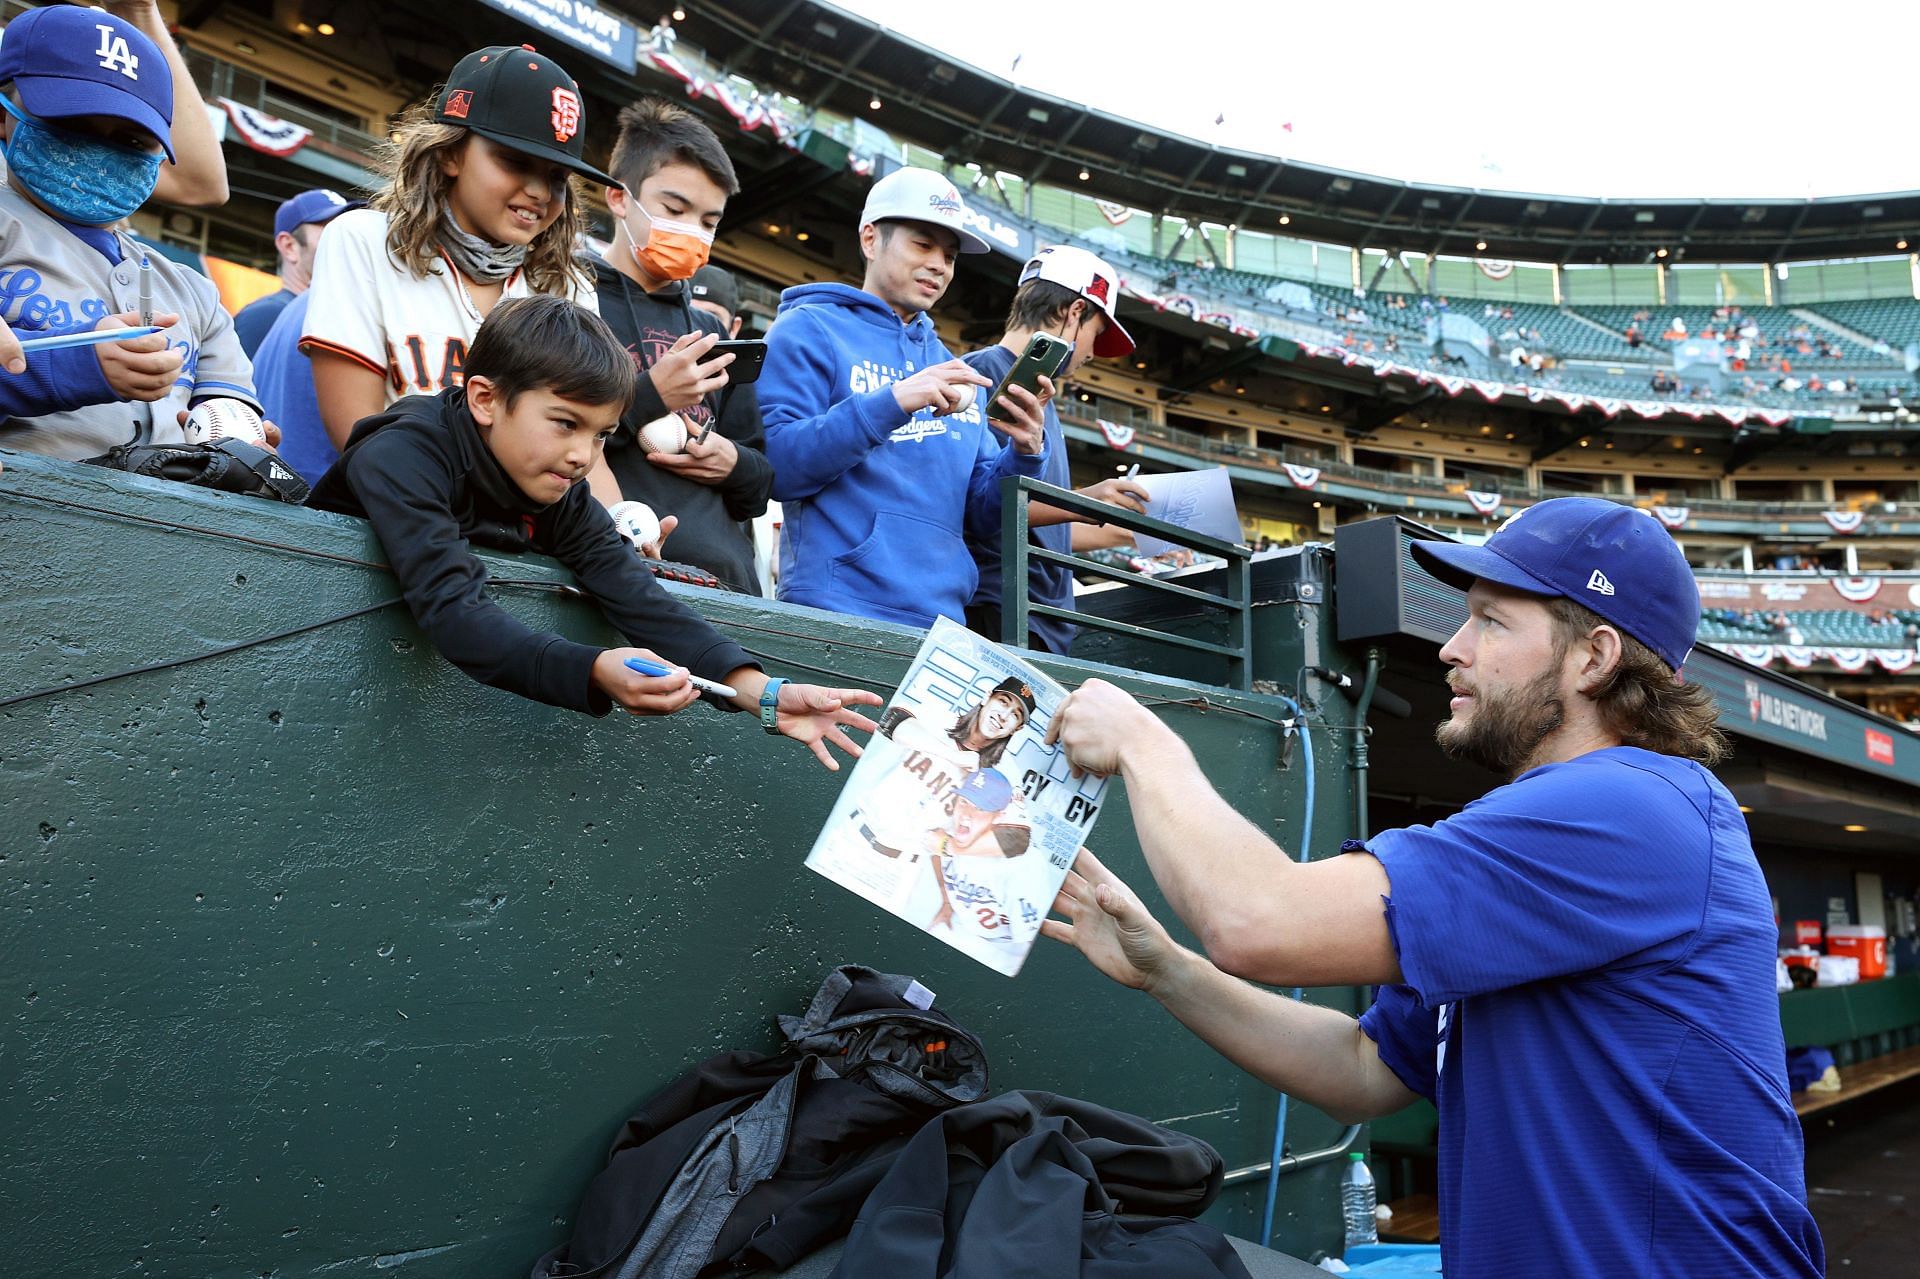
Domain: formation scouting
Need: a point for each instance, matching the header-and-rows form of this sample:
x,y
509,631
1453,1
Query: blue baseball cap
x,y
315,206
65,60
1616,560
987,789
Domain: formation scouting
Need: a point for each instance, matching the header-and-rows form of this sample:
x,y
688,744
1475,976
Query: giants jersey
x,y
53,281
366,307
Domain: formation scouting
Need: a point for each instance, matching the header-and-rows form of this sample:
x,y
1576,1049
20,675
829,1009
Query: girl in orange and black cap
x,y
478,206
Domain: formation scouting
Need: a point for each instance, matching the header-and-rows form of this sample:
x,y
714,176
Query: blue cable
x,y
1306,843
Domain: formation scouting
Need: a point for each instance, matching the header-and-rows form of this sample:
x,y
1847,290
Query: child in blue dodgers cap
x,y
88,106
1576,969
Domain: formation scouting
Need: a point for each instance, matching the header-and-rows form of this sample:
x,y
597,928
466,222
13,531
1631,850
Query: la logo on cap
x,y
1598,582
114,53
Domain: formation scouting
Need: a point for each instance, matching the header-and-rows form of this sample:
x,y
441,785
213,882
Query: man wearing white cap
x,y
1069,293
883,459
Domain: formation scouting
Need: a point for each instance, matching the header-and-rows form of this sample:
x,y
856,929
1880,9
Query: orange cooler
x,y
1865,943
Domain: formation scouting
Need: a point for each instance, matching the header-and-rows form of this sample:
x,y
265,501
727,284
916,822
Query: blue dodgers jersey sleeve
x,y
1589,1002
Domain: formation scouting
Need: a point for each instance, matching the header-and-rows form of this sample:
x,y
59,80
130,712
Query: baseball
x,y
211,421
961,397
666,434
636,522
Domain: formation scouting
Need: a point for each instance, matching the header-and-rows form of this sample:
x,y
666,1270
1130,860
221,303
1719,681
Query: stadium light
x,y
1480,246
325,28
1285,219
1084,175
874,104
679,14
1659,253
1900,244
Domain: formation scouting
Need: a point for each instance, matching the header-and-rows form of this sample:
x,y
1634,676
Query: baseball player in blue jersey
x,y
1576,969
88,103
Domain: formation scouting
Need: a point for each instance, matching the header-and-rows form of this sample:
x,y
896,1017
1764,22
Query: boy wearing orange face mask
x,y
674,180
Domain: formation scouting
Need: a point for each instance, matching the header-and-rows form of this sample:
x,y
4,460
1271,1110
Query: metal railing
x,y
1018,551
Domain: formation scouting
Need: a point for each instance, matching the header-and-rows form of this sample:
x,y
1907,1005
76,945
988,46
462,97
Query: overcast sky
x,y
1674,99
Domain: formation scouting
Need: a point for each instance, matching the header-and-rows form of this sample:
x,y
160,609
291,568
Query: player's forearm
x,y
1314,1054
1207,859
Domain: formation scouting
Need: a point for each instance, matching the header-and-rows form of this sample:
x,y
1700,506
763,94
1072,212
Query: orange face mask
x,y
669,250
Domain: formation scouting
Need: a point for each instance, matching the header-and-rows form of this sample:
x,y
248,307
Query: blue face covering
x,y
80,179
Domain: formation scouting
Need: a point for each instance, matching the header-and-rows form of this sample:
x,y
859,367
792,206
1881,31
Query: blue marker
x,y
645,667
86,337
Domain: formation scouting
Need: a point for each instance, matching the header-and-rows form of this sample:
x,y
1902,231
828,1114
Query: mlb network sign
x,y
581,24
1764,708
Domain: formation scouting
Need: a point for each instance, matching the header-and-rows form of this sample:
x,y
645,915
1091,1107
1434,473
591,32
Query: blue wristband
x,y
770,705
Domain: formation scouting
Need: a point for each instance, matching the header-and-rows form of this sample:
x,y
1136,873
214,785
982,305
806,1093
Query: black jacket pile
x,y
1034,1186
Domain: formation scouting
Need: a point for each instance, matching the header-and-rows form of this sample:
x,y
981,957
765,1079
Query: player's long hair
x,y
964,727
1640,703
416,195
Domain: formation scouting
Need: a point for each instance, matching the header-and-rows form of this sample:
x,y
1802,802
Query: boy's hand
x,y
818,716
639,694
1119,491
684,375
143,368
938,387
651,550
1106,923
705,462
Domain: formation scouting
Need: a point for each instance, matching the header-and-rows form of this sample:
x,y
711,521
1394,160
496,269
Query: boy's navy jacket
x,y
876,503
421,473
711,534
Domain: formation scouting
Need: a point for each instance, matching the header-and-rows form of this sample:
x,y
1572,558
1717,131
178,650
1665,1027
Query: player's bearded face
x,y
1500,729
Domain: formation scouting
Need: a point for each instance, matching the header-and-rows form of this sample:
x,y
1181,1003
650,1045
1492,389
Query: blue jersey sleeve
x,y
1407,1036
1603,862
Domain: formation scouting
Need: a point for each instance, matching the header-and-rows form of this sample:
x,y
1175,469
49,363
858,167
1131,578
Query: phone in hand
x,y
748,355
1045,356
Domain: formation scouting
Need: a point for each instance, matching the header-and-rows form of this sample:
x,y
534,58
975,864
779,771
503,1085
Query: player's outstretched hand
x,y
821,717
639,694
940,387
1023,416
1096,724
1106,922
143,368
685,374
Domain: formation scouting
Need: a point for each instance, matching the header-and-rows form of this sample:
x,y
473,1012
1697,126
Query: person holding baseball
x,y
88,105
883,457
1576,969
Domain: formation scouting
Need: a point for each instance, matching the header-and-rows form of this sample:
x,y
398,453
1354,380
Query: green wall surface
x,y
324,959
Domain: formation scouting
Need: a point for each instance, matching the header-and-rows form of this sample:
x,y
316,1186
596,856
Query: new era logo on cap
x,y
1599,582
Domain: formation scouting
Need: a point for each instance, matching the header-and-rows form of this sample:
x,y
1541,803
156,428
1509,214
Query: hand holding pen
x,y
142,367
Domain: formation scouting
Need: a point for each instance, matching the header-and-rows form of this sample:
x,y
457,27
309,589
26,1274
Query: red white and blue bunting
x,y
263,132
1483,504
1844,521
1302,476
1802,656
1856,590
1117,436
1672,516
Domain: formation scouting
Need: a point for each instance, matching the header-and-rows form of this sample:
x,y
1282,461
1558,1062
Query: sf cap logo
x,y
566,114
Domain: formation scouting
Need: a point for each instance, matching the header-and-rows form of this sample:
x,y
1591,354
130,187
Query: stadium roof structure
x,y
832,59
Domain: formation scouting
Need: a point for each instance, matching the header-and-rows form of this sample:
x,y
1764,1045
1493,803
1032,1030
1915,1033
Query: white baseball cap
x,y
921,195
1093,280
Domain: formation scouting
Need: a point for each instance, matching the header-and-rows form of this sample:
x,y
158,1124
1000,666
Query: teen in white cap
x,y
1069,293
883,459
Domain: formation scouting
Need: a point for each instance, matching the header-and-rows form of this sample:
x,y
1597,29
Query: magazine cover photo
x,y
958,818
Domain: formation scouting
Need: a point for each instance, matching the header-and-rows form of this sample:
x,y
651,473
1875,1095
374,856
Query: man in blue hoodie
x,y
883,459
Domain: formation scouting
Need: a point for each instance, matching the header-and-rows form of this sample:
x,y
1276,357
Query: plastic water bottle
x,y
1357,1202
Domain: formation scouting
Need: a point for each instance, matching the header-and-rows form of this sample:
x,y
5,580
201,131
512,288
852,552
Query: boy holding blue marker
x,y
88,106
501,461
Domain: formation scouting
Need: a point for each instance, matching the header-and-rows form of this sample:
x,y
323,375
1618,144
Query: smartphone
x,y
1045,356
748,355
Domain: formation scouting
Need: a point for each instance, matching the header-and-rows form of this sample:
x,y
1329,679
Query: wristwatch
x,y
770,705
